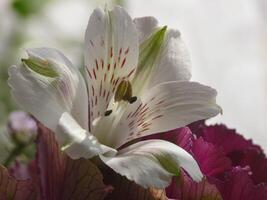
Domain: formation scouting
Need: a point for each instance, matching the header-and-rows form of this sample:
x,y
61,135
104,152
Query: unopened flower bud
x,y
22,127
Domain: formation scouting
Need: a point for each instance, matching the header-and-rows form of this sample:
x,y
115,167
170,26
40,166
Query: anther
x,y
132,99
108,112
124,91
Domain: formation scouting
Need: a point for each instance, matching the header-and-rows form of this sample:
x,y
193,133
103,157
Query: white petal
x,y
173,62
77,142
46,97
152,163
145,26
165,107
113,129
111,54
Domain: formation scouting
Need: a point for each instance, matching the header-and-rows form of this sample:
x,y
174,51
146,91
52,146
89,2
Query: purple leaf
x,y
184,188
239,186
62,178
228,139
50,163
211,159
22,171
256,161
10,188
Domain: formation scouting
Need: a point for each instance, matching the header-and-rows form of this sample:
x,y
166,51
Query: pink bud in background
x,y
22,127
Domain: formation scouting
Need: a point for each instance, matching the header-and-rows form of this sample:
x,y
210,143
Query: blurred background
x,y
227,41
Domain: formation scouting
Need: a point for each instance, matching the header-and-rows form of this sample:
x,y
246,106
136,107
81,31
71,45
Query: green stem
x,y
14,153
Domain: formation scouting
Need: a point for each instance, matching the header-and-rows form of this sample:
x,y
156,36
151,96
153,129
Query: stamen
x,y
124,91
108,112
132,99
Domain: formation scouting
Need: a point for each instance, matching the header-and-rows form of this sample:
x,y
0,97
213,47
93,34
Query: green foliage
x,y
119,2
27,7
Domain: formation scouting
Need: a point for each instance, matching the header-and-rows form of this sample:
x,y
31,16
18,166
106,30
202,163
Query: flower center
x,y
104,127
124,92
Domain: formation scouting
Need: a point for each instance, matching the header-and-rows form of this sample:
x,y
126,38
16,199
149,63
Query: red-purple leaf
x,y
62,178
10,188
20,170
82,181
228,139
211,159
256,161
184,188
239,186
50,163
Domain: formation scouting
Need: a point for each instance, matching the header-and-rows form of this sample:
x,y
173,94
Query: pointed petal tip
x,y
221,110
192,169
198,177
109,7
153,163
164,28
10,71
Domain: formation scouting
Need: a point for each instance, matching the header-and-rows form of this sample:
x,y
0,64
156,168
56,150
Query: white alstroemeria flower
x,y
137,77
